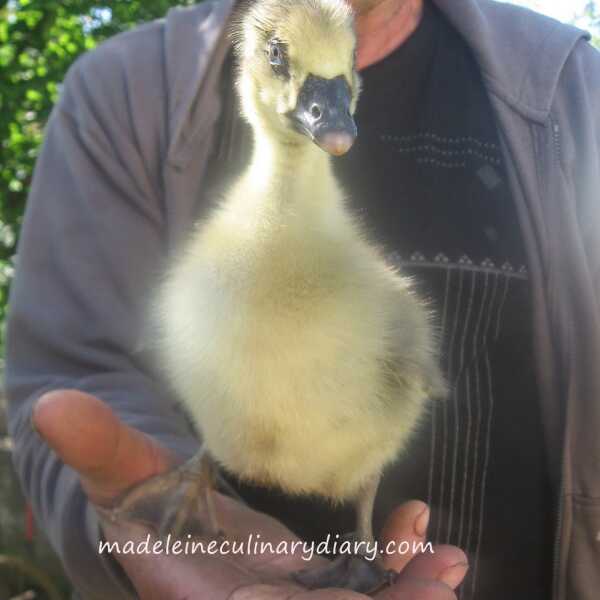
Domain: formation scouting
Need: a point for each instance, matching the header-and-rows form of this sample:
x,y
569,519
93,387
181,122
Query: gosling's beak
x,y
323,114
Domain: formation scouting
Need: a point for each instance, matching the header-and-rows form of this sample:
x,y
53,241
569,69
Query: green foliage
x,y
39,39
591,20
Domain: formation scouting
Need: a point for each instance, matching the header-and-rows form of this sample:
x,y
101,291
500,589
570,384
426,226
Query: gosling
x,y
303,358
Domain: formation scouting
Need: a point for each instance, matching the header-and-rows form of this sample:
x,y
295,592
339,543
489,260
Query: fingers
x,y
109,456
417,589
447,565
435,572
277,592
405,529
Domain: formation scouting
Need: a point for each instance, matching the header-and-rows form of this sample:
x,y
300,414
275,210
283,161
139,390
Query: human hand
x,y
110,457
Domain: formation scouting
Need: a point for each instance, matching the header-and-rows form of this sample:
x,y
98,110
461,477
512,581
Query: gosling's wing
x,y
413,360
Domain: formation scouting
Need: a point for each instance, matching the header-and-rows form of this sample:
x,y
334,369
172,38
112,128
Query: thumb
x,y
109,456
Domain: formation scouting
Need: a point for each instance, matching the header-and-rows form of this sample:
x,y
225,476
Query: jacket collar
x,y
521,55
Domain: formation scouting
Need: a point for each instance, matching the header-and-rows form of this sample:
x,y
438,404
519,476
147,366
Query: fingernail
x,y
453,576
422,521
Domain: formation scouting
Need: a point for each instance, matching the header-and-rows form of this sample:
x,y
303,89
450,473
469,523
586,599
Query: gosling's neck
x,y
291,173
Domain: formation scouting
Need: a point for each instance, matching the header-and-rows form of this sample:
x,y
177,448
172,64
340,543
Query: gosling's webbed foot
x,y
355,571
173,502
352,572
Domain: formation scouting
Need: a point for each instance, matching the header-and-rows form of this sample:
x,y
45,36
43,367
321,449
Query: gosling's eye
x,y
278,58
275,55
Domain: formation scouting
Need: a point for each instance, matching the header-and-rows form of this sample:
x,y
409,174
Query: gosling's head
x,y
297,77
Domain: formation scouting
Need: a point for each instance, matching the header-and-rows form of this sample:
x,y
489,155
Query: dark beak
x,y
323,114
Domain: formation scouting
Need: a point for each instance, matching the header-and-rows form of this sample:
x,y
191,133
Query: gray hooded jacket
x,y
119,181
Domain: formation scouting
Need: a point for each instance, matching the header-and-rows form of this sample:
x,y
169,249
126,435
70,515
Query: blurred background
x,y
39,39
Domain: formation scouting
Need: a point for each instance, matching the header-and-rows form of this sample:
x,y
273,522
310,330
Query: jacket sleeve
x,y
581,113
576,227
92,242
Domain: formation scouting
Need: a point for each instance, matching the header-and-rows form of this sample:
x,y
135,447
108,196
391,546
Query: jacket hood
x,y
520,52
521,55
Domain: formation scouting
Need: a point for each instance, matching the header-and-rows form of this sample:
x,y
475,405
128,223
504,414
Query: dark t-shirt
x,y
426,178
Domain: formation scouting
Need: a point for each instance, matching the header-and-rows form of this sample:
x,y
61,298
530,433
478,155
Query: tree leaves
x,y
591,17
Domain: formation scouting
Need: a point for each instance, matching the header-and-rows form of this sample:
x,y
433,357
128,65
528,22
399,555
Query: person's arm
x,y
92,244
578,115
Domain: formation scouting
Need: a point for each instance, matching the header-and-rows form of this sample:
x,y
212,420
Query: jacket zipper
x,y
557,153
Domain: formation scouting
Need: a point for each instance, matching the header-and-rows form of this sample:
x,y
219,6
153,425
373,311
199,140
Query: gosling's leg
x,y
173,500
353,571
199,475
